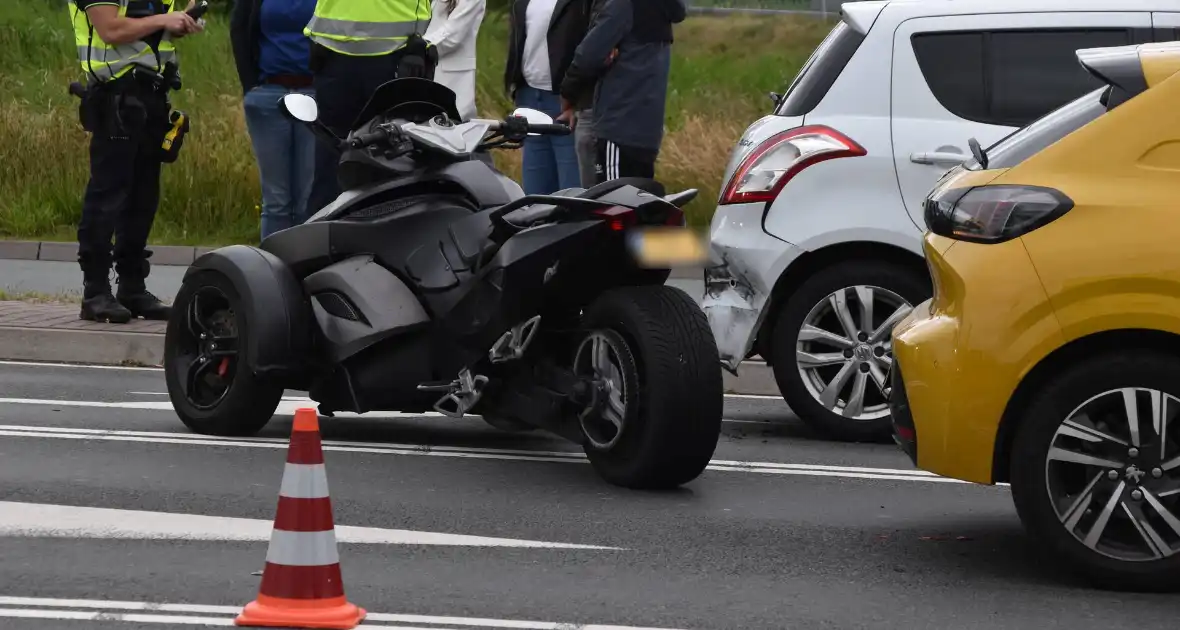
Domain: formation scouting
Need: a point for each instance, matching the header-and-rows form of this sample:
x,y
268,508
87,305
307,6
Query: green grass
x,y
722,70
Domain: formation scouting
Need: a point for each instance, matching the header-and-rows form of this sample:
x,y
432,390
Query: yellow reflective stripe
x,y
360,48
105,65
350,30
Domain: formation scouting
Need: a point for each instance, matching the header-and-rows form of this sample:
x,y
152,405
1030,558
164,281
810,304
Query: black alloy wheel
x,y
209,348
210,383
1096,469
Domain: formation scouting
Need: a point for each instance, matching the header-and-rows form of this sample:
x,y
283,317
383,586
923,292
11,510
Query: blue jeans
x,y
550,162
285,151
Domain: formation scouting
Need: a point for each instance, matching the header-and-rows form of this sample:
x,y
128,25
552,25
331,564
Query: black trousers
x,y
343,85
128,124
613,161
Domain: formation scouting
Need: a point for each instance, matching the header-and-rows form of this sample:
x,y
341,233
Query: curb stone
x,y
165,255
55,345
60,251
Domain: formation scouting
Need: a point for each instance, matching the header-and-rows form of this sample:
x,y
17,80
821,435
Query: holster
x,y
174,137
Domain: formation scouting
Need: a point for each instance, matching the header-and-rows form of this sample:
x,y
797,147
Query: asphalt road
x,y
784,531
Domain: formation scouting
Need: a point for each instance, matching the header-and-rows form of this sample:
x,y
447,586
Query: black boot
x,y
133,293
97,302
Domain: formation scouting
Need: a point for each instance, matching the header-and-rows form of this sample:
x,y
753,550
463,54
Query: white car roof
x,y
861,15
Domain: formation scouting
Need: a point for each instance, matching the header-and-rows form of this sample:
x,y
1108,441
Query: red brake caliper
x,y
221,369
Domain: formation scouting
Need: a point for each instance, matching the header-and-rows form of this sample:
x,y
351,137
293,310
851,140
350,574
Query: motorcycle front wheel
x,y
210,386
656,416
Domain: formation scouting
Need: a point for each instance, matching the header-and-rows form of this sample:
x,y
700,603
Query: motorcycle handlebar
x,y
553,129
371,137
381,134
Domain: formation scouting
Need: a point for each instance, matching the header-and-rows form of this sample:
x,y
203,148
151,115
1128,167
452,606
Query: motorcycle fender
x,y
358,303
277,313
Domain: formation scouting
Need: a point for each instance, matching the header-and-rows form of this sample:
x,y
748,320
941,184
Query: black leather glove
x,y
418,58
411,66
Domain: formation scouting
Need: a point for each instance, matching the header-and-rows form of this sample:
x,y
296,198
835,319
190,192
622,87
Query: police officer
x,y
127,56
357,46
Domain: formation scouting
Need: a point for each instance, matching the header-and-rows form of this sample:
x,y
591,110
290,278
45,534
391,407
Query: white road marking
x,y
84,366
158,437
287,407
755,397
38,520
295,398
128,368
47,608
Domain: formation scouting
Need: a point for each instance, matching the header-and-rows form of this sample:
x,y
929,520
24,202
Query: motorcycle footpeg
x,y
463,395
514,342
461,401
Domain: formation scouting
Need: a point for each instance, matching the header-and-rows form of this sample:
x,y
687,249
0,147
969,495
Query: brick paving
x,y
65,317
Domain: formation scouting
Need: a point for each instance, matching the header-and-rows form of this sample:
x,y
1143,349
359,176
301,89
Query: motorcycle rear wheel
x,y
661,403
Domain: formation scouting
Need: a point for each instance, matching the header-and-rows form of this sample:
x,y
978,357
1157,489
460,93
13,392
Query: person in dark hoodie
x,y
626,57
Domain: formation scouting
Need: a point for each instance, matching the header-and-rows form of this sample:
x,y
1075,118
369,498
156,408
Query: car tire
x,y
1041,481
671,383
249,402
894,287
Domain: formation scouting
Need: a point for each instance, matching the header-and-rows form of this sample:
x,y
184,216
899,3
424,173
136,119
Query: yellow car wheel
x,y
1095,470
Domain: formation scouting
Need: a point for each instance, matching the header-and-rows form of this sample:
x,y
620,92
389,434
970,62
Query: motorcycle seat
x,y
642,183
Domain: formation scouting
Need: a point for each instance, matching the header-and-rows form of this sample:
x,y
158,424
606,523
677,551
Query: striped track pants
x,y
614,161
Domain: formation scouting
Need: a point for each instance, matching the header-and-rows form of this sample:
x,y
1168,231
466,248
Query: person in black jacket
x,y
272,57
625,58
543,35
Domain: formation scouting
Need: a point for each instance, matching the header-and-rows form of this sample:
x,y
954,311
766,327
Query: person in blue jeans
x,y
273,59
542,40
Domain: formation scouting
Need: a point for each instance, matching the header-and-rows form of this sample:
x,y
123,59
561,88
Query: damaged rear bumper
x,y
735,313
747,262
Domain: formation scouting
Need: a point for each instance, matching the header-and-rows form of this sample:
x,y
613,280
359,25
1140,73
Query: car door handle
x,y
940,158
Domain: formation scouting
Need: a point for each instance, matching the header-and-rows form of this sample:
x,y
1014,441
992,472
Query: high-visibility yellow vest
x,y
363,28
106,63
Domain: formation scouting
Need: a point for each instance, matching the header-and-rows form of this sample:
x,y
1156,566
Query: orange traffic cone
x,y
301,584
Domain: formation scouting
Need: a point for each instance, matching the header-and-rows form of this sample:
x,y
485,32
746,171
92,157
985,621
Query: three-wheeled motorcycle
x,y
434,284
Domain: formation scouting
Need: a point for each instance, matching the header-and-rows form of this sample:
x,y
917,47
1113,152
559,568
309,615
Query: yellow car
x,y
1049,356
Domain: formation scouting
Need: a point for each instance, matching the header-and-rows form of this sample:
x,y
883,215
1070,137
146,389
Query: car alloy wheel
x,y
1113,474
208,348
598,360
844,343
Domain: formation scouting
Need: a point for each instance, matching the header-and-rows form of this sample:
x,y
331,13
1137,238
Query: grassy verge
x,y
723,69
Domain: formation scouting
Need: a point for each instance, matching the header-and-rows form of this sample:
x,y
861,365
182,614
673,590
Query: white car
x,y
816,241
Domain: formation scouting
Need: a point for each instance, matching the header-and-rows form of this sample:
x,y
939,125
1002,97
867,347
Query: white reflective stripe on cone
x,y
304,481
302,549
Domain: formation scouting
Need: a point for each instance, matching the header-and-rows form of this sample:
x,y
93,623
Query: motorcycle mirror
x,y
533,116
301,107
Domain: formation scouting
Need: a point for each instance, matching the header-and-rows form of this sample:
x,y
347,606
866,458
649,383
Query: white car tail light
x,y
766,169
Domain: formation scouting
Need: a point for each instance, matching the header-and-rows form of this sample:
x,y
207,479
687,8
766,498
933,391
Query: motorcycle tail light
x,y
993,214
618,218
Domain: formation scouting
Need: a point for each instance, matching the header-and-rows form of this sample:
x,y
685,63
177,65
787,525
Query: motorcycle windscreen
x,y
413,99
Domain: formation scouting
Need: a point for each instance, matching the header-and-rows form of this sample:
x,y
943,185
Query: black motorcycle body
x,y
434,284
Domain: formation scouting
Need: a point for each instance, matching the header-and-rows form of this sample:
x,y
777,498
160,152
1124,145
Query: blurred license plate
x,y
667,247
